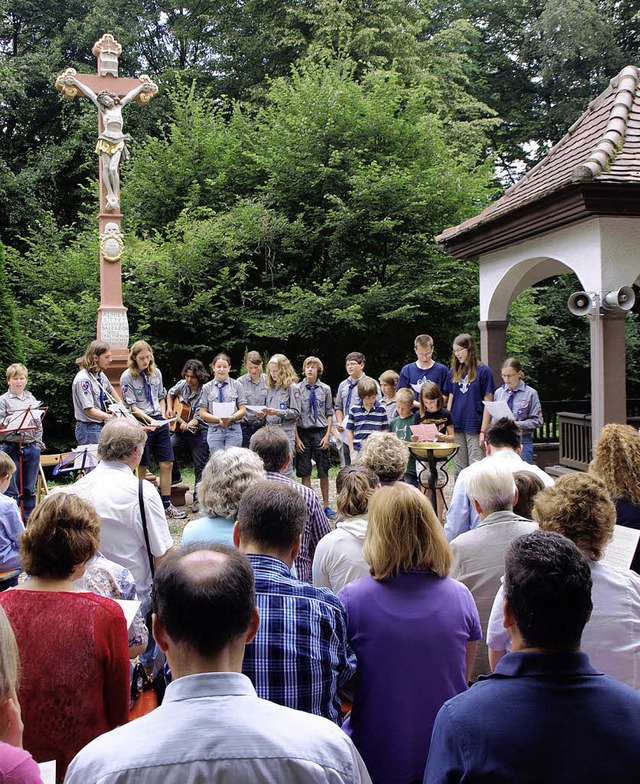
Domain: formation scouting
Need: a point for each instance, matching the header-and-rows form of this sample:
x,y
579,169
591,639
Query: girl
x,y
224,431
523,401
92,392
432,412
283,400
143,390
471,382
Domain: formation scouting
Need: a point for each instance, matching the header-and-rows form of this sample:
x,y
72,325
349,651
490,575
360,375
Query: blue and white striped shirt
x,y
364,422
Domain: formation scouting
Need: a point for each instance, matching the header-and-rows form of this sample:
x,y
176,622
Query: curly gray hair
x,y
225,478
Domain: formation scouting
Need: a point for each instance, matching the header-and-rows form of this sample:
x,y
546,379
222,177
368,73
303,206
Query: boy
x,y
401,426
26,444
313,429
366,418
254,383
425,368
347,395
388,382
11,528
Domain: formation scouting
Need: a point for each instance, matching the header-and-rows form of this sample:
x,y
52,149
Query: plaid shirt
x,y
300,656
317,525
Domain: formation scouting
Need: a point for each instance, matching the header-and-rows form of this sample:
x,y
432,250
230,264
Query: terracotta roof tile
x,y
603,145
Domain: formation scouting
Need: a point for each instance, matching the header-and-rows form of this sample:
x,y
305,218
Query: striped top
x,y
364,422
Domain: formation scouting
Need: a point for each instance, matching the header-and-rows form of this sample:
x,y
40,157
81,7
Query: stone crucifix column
x,y
110,93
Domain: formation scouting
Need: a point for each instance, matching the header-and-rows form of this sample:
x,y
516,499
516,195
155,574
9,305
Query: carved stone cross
x,y
110,93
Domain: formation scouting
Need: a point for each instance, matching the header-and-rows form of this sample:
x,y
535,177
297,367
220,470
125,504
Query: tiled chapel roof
x,y
602,146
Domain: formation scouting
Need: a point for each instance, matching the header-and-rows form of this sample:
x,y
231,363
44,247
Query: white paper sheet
x,y
48,772
622,547
223,410
498,409
129,608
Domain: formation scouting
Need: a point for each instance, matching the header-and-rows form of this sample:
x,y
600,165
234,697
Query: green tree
x,y
10,343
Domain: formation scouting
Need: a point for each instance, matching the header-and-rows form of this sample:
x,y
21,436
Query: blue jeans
x,y
196,445
30,466
527,449
223,437
88,432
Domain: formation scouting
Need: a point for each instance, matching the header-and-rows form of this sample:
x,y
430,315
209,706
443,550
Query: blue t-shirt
x,y
467,408
412,374
208,530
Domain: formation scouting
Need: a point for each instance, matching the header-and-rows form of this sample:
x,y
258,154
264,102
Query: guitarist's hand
x,y
182,426
192,426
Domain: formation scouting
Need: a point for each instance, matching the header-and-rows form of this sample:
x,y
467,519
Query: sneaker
x,y
329,512
174,514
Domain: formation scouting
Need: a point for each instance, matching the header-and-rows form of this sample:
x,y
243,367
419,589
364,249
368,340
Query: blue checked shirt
x,y
300,656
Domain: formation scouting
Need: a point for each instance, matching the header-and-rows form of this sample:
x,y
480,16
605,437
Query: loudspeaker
x,y
622,299
580,303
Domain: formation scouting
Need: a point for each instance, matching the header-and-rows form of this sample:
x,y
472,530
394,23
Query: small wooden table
x,y
429,454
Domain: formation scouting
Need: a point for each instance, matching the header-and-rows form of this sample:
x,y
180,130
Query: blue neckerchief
x,y
352,386
147,387
221,384
313,401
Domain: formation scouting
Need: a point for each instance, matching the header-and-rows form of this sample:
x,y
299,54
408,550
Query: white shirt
x,y
461,516
213,728
478,562
112,488
338,558
611,638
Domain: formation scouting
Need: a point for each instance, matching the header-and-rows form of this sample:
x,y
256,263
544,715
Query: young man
x,y
367,417
425,368
313,429
347,396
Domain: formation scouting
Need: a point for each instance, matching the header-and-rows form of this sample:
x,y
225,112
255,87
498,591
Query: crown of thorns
x,y
103,93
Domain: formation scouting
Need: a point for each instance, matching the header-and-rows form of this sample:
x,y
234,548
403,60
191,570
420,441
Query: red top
x,y
74,660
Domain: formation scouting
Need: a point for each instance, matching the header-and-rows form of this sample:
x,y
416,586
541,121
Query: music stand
x,y
83,458
20,421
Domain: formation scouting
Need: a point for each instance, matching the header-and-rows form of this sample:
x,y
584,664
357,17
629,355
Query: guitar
x,y
182,413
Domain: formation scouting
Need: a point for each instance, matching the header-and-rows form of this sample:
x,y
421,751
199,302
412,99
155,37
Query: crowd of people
x,y
369,644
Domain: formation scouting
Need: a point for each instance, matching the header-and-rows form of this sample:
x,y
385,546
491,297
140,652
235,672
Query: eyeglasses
x,y
426,353
507,376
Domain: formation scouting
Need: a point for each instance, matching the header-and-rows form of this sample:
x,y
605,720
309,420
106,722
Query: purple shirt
x,y
410,635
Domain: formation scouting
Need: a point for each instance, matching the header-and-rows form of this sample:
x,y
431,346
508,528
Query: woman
x,y
471,383
16,765
73,644
283,401
578,507
523,402
226,476
616,460
386,455
414,631
92,392
338,559
143,390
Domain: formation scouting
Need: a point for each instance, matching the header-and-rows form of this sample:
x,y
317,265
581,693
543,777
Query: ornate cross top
x,y
110,93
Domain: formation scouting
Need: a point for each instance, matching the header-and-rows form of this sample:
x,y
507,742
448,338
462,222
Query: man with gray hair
x,y
120,500
478,555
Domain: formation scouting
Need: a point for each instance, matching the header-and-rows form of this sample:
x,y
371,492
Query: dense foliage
x,y
289,179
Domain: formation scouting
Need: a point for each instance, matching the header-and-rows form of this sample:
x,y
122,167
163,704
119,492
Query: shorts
x,y
311,438
158,444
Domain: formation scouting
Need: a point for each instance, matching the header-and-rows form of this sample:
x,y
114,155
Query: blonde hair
x,y
95,349
616,460
286,374
7,466
313,362
226,476
138,347
9,660
17,369
404,396
386,455
578,506
404,533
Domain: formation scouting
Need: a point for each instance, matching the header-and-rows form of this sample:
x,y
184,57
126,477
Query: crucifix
x,y
110,93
